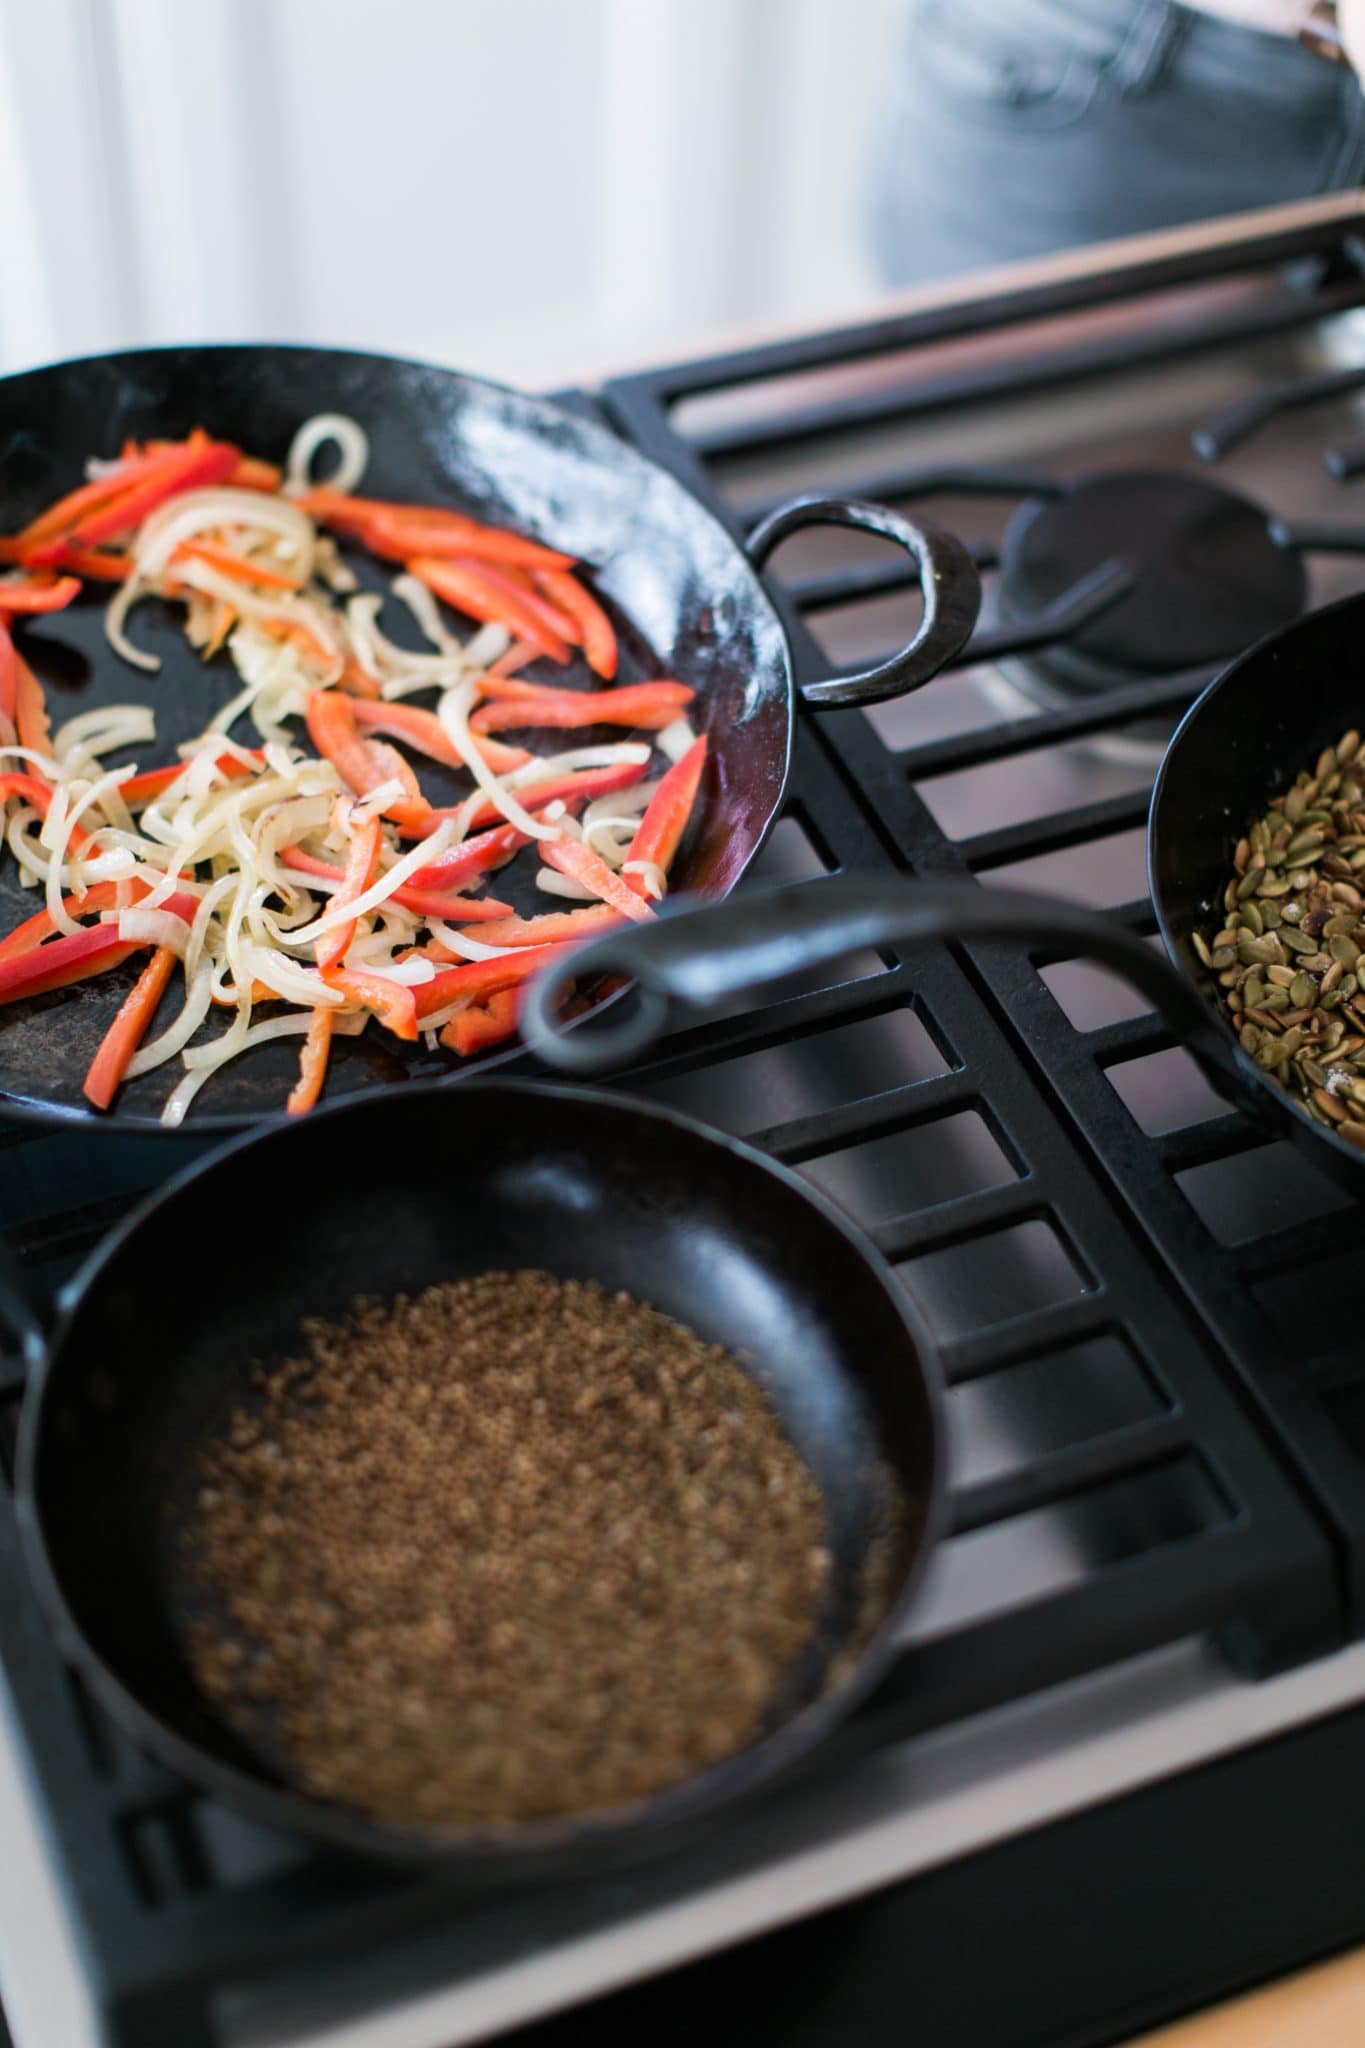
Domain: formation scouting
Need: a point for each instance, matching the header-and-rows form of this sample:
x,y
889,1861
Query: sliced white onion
x,y
555,884
352,443
154,927
177,1033
653,876
675,739
100,731
121,603
227,1048
199,511
393,878
623,752
461,943
453,712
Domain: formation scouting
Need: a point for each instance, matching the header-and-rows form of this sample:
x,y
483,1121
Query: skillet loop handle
x,y
698,956
19,1323
948,580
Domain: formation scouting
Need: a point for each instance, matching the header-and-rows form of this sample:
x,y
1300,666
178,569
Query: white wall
x,y
536,189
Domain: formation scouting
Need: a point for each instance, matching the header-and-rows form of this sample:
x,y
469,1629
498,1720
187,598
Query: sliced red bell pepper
x,y
573,857
648,705
362,865
394,1005
128,1029
483,593
239,567
594,627
472,857
358,682
424,730
363,764
480,978
30,708
555,928
317,1045
32,932
140,789
28,598
301,634
661,829
9,674
515,657
68,511
32,789
61,961
426,902
193,466
102,565
534,796
482,1024
397,531
251,474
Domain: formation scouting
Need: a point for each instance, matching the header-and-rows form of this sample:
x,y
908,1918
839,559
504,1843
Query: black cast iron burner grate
x,y
1117,1483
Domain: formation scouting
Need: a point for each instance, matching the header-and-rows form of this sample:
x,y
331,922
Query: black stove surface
x,y
1151,1439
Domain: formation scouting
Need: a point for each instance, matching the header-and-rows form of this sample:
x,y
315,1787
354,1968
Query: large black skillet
x,y
686,597
1268,715
152,1347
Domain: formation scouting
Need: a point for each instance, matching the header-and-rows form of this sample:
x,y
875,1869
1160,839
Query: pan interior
x,y
682,595
419,1188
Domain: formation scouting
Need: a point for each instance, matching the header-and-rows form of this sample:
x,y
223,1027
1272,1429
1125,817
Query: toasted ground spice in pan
x,y
512,1548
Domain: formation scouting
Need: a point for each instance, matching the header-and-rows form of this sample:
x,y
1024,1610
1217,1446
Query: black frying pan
x,y
686,599
152,1346
1268,715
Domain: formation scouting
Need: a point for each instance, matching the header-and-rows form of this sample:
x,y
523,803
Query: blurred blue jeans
x,y
1022,126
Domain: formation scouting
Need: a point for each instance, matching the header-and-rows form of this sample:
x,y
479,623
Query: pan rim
x,y
520,1849
26,1110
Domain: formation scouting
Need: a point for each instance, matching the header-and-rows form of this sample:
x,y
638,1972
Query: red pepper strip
x,y
424,730
594,627
517,656
100,564
472,857
482,593
398,530
38,597
35,791
30,709
9,676
358,682
198,463
32,932
573,857
363,764
62,961
553,929
317,1045
533,796
648,705
394,1005
251,474
140,789
426,902
480,978
659,831
128,1029
76,505
239,567
362,865
482,1024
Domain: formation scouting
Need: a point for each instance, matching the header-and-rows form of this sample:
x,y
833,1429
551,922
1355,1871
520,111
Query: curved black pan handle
x,y
947,577
18,1318
698,955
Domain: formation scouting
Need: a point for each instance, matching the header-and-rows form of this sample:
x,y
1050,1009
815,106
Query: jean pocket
x,y
1031,67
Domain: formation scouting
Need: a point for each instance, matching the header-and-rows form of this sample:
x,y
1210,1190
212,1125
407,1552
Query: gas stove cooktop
x,y
1150,1316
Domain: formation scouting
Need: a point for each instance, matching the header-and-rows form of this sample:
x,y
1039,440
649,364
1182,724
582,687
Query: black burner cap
x,y
1208,578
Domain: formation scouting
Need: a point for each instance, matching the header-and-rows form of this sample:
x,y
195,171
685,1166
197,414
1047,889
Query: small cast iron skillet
x,y
686,597
153,1341
1268,715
